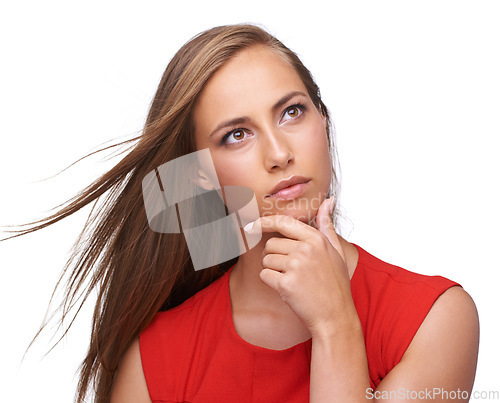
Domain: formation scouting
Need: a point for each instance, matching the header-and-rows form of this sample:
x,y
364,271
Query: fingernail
x,y
331,205
249,226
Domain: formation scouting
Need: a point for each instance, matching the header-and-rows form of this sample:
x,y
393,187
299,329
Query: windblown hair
x,y
135,271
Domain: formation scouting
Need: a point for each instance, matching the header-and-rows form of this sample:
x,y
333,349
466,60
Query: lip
x,y
290,188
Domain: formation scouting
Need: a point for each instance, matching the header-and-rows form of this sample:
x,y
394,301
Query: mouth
x,y
290,189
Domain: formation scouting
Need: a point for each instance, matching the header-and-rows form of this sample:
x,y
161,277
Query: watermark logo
x,y
184,196
431,394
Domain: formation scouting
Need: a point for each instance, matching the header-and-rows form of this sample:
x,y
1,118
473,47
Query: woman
x,y
304,314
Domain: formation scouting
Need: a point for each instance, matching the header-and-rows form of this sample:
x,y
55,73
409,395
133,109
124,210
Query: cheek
x,y
234,171
315,144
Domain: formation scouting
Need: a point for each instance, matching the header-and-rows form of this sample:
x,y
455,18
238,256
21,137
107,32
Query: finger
x,y
271,278
283,246
323,219
324,223
280,263
285,225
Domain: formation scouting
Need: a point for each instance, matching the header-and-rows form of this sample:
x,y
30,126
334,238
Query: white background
x,y
413,88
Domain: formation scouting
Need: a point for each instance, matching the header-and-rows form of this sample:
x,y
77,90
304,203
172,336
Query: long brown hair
x,y
136,271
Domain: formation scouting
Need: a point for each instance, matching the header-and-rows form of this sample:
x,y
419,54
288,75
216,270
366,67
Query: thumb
x,y
323,220
324,223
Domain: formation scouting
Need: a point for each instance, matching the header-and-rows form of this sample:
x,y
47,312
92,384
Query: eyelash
x,y
301,107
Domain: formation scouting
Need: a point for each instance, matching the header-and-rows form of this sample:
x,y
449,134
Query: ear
x,y
203,181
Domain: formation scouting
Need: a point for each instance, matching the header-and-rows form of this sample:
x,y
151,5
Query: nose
x,y
277,150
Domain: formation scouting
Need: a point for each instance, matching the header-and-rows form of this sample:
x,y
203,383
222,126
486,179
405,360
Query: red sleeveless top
x,y
192,353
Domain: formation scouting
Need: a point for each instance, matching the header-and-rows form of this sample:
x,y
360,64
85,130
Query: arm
x,y
129,385
442,355
339,368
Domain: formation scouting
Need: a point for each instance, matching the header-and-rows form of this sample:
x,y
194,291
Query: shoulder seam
x,y
410,281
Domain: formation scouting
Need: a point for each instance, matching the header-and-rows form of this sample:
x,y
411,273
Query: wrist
x,y
346,327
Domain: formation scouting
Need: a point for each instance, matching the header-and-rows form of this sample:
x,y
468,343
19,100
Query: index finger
x,y
285,225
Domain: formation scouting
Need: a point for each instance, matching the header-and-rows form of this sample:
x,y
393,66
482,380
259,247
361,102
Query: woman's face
x,y
260,125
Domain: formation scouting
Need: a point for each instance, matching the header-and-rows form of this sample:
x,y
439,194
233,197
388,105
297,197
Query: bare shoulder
x,y
453,315
130,384
443,352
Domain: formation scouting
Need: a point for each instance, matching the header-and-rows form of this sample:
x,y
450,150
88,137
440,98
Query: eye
x,y
292,112
238,135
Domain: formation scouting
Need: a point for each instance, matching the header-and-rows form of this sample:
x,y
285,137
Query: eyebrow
x,y
241,120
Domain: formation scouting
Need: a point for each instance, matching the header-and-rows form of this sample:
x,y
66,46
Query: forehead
x,y
255,78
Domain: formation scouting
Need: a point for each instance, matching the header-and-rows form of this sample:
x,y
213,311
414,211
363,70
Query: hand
x,y
308,270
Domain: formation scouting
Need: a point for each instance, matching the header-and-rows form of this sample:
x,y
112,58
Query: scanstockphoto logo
x,y
184,196
432,394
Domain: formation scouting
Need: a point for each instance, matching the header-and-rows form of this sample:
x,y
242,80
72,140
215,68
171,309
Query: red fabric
x,y
192,352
